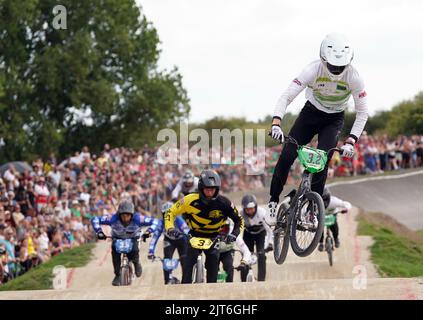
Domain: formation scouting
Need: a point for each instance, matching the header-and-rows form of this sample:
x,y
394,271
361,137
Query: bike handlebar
x,y
291,140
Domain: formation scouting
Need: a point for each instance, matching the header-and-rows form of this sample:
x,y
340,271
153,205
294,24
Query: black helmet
x,y
208,179
126,206
249,201
326,197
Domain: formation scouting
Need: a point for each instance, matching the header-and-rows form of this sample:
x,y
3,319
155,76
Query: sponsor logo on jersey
x,y
341,87
215,213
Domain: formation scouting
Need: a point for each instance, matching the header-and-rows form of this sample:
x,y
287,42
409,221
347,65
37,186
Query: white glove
x,y
347,205
347,150
277,133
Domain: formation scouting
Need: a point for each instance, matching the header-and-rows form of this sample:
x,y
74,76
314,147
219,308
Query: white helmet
x,y
336,54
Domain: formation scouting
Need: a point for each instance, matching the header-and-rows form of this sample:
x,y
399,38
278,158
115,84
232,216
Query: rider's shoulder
x,y
313,66
189,198
308,73
354,76
225,201
261,211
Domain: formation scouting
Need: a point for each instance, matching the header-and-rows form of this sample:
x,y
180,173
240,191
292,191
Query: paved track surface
x,y
401,197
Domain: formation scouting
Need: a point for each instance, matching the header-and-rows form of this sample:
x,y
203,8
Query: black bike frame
x,y
305,185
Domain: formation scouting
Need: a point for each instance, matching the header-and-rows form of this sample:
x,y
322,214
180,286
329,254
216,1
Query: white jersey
x,y
257,224
181,188
328,95
245,252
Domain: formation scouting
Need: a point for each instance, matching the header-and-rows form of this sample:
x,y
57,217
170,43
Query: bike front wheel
x,y
329,250
281,236
308,224
198,272
125,276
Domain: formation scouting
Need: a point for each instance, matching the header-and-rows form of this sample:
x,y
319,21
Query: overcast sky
x,y
237,56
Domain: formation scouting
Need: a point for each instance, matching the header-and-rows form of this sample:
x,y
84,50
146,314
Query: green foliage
x,y
40,277
407,117
394,254
104,65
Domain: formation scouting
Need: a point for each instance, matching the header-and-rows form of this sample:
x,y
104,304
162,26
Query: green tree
x,y
377,123
95,82
406,117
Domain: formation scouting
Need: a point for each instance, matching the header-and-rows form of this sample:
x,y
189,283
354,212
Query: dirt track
x,y
297,278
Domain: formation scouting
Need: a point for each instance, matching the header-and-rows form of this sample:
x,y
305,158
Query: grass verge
x,y
397,251
40,277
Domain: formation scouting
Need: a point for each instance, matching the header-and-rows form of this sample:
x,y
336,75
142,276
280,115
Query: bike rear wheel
x,y
281,236
308,224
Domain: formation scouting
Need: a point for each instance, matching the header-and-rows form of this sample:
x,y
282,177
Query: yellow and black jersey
x,y
204,220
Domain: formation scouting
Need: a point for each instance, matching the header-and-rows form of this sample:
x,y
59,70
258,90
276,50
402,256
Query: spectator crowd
x,y
47,208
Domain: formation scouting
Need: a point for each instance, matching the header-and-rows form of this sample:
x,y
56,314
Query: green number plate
x,y
330,220
312,159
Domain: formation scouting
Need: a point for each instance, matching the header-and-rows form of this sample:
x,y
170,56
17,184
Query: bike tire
x,y
329,250
250,277
124,276
198,272
304,252
281,237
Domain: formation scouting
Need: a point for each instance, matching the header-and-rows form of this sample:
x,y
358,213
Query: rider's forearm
x,y
246,254
359,124
238,222
153,242
361,109
335,202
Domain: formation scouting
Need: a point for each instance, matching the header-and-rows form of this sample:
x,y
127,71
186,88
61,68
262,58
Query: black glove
x,y
173,233
242,266
230,238
150,256
101,235
146,235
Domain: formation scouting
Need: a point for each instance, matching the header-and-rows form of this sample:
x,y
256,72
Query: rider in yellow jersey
x,y
205,213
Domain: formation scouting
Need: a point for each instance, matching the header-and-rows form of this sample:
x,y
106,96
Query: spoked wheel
x,y
281,236
329,249
308,224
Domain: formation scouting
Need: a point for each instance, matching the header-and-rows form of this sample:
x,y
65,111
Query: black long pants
x,y
334,229
257,240
227,259
133,256
310,122
169,247
212,264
